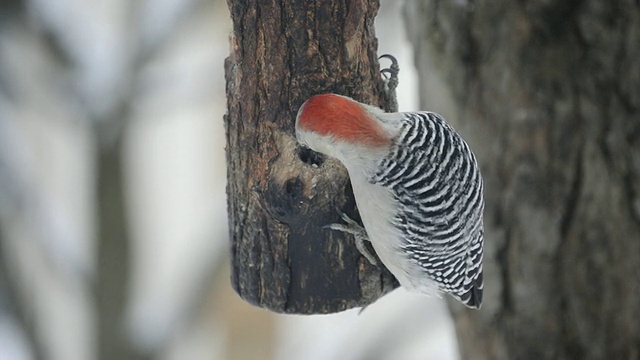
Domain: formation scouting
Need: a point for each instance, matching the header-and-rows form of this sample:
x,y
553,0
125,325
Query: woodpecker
x,y
417,187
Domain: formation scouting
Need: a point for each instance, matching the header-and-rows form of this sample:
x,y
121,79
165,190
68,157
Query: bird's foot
x,y
391,82
358,232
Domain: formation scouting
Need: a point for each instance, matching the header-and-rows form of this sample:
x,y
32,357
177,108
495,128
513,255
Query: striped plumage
x,y
417,186
434,177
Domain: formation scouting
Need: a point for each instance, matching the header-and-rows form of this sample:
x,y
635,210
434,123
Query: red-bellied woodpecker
x,y
417,187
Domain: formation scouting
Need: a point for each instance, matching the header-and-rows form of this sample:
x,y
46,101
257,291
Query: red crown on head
x,y
342,118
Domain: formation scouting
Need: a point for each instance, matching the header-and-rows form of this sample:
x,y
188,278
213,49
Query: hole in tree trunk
x,y
309,156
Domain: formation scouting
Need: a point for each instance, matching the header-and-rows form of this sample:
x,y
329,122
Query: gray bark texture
x,y
281,197
548,95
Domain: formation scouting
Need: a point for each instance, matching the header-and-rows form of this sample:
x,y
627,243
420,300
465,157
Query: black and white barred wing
x,y
435,178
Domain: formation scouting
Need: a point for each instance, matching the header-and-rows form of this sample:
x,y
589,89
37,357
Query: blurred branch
x,y
113,250
110,126
21,201
15,303
114,256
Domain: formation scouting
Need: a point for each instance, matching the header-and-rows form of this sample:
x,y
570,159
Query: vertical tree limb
x,y
280,196
113,248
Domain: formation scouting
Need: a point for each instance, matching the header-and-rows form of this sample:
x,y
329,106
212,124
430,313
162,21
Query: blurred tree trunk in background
x,y
280,197
113,250
44,91
548,94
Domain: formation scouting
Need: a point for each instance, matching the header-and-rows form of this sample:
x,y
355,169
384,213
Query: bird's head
x,y
340,127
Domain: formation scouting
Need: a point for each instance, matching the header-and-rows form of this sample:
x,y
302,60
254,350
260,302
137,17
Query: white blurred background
x,y
67,69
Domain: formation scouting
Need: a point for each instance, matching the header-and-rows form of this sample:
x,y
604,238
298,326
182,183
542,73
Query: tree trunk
x,y
113,260
548,94
280,196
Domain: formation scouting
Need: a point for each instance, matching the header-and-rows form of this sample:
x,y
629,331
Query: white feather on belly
x,y
376,204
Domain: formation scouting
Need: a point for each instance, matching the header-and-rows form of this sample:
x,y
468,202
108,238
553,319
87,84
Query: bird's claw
x,y
359,233
391,81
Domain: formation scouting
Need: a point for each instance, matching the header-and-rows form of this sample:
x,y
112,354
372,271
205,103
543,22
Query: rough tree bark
x,y
280,196
548,93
